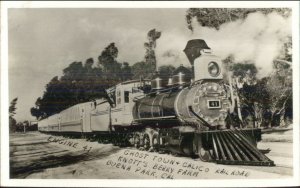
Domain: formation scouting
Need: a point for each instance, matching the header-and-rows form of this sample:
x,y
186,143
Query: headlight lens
x,y
213,69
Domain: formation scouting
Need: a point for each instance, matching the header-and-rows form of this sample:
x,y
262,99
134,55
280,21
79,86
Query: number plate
x,y
212,104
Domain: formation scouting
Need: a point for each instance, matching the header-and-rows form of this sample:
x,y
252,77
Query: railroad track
x,y
26,159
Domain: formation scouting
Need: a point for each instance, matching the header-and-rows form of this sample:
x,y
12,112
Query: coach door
x,y
86,116
127,108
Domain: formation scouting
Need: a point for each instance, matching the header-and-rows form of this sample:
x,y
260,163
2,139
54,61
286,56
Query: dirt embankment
x,y
35,155
278,135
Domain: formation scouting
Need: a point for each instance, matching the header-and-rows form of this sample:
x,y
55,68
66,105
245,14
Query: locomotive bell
x,y
193,49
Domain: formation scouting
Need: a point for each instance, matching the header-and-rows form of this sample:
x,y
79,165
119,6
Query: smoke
x,y
259,38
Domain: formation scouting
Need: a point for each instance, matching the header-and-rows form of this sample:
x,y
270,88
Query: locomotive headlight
x,y
213,69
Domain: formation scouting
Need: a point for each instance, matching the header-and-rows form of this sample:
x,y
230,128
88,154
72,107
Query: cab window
x,y
126,96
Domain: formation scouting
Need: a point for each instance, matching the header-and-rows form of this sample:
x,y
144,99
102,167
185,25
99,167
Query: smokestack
x,y
193,48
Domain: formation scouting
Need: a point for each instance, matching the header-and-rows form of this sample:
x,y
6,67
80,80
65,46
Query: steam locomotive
x,y
189,115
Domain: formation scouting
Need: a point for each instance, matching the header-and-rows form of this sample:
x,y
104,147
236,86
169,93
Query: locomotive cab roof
x,y
134,81
128,82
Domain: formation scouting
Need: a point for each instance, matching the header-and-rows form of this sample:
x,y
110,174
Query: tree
x,y
81,83
36,112
12,124
12,112
89,63
126,72
147,67
166,71
150,46
12,107
142,70
250,94
23,126
215,17
108,56
267,101
279,85
286,51
255,100
108,62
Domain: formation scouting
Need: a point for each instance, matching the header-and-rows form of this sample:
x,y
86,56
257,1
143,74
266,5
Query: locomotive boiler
x,y
186,114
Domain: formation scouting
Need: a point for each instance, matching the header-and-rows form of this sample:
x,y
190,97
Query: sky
x,y
42,42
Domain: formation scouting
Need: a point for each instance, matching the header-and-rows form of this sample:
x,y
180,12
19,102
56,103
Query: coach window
x,y
126,96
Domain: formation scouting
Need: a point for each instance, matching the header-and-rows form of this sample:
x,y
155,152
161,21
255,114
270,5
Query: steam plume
x,y
259,38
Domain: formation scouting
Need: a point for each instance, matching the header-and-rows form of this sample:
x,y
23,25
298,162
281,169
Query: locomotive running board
x,y
234,147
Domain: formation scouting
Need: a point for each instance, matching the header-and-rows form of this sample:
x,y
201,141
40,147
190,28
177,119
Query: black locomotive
x,y
184,114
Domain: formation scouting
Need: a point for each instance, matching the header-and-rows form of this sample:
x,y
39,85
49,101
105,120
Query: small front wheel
x,y
137,141
155,142
146,142
204,155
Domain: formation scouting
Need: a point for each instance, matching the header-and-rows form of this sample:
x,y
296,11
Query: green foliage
x,y
166,71
280,88
78,84
82,83
142,70
108,55
12,124
267,100
150,46
243,69
146,68
12,112
107,61
25,126
286,51
185,70
256,93
215,17
126,72
12,107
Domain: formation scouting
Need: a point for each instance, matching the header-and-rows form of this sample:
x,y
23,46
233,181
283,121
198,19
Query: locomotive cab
x,y
125,93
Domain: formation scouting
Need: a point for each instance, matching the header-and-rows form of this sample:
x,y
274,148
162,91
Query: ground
x,y
36,155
